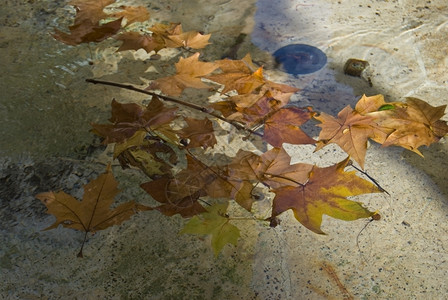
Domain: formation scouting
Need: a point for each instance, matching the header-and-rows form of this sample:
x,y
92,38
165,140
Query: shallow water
x,y
46,108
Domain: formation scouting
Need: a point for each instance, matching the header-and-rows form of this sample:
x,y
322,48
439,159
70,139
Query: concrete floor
x,y
45,113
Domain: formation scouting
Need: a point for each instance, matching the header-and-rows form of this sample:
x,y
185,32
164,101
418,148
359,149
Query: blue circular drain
x,y
300,59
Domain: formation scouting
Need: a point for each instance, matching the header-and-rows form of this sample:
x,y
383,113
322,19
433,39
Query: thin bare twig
x,y
174,100
368,176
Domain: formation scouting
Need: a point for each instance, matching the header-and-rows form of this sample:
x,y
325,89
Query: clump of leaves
x,y
93,24
172,148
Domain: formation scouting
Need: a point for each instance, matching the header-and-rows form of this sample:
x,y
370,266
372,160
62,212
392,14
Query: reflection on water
x,y
46,108
42,85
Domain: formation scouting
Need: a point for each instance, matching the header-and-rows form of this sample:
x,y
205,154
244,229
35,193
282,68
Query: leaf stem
x,y
174,100
286,178
82,245
245,219
368,176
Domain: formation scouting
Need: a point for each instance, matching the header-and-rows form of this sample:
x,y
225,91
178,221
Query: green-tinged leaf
x,y
214,222
386,107
325,192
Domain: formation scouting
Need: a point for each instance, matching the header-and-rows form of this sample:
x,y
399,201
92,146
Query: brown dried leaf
x,y
92,10
180,194
93,213
129,118
350,131
136,41
200,133
412,124
284,127
87,32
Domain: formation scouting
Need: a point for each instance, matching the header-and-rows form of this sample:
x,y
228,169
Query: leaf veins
x,y
324,192
93,213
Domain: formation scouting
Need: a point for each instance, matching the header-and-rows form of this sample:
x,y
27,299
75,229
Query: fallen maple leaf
x,y
166,29
323,192
284,127
92,10
87,32
188,74
409,125
216,223
180,194
352,128
200,133
128,118
154,157
350,131
244,65
190,39
240,75
225,107
93,213
135,41
242,81
255,114
132,14
412,124
272,169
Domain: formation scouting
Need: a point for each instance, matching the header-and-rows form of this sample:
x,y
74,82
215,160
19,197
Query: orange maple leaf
x,y
240,81
190,39
93,213
240,75
352,128
324,191
272,168
350,131
189,73
166,29
132,14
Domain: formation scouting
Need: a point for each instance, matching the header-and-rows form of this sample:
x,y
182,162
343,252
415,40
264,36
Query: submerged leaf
x,y
412,124
215,223
93,213
188,74
200,133
324,192
129,118
284,127
87,32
